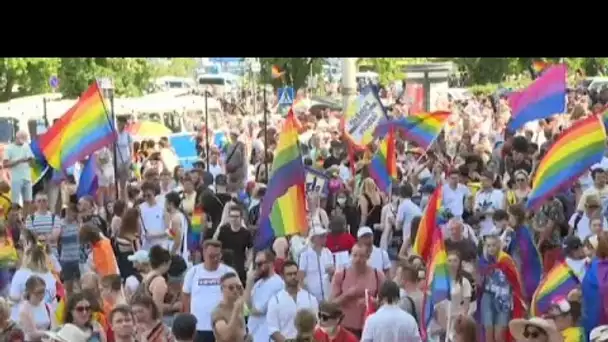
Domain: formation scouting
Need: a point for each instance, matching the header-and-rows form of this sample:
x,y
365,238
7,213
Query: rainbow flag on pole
x,y
84,129
437,282
557,283
574,152
283,210
196,227
428,225
422,128
383,166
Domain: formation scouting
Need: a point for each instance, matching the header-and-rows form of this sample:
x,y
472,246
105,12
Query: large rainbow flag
x,y
383,166
283,210
574,152
84,129
40,166
557,283
527,258
421,128
546,96
428,225
437,281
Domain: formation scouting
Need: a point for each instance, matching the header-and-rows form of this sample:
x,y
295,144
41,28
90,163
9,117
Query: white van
x,y
222,83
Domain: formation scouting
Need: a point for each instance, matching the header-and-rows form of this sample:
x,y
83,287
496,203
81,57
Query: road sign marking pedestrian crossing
x,y
285,96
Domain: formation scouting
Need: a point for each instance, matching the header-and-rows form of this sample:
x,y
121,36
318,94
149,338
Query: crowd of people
x,y
160,253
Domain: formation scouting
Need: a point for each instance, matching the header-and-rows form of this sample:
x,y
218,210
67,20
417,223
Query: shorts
x,y
70,270
123,172
490,317
21,190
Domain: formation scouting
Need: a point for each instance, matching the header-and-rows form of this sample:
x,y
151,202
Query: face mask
x,y
341,201
328,330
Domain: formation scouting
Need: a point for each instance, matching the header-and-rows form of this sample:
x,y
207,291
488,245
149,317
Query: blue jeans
x,y
491,317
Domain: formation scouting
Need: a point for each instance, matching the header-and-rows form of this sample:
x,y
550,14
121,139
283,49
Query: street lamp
x,y
349,81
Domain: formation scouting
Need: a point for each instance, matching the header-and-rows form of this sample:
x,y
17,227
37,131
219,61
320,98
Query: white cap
x,y
364,231
599,334
317,231
139,257
68,333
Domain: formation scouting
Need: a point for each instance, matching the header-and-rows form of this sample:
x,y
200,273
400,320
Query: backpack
x,y
414,313
144,287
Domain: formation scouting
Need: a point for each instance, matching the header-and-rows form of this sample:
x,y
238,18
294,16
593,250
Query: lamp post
x,y
349,81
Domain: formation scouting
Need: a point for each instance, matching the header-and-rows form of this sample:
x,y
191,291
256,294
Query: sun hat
x,y
518,326
68,333
599,334
140,257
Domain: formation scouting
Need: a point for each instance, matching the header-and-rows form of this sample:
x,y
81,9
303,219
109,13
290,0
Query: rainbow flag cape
x,y
437,281
558,282
428,225
507,266
422,128
546,96
40,167
383,166
527,258
574,151
196,227
283,210
84,129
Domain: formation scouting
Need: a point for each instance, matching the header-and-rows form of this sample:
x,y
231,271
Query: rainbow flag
x,y
276,72
558,282
575,151
595,295
84,129
604,116
40,167
283,210
437,281
428,225
545,97
422,128
507,266
196,228
527,258
383,166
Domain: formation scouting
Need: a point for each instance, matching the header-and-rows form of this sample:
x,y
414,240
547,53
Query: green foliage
x,y
180,67
30,74
130,75
296,71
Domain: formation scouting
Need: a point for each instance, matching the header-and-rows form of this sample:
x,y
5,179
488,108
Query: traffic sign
x,y
285,96
54,82
256,67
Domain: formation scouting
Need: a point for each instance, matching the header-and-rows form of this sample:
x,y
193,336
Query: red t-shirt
x,y
340,243
343,336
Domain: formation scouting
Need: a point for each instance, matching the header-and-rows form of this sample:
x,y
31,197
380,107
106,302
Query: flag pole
x,y
206,131
115,145
44,113
112,122
265,122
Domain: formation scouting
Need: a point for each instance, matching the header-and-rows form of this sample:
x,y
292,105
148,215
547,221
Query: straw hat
x,y
68,333
518,326
599,334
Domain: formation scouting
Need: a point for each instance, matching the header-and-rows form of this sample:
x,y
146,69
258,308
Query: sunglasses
x,y
41,200
326,317
520,180
233,287
82,308
533,332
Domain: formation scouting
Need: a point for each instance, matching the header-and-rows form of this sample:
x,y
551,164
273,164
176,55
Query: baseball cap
x,y
599,334
572,243
318,231
139,257
364,231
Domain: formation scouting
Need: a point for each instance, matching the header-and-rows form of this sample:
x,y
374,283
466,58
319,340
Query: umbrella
x,y
148,129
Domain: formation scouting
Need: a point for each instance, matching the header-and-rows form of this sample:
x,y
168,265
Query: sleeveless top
x,y
373,212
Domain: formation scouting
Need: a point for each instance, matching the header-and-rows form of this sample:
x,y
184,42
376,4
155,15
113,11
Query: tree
x,y
30,75
487,70
130,75
296,71
181,67
388,69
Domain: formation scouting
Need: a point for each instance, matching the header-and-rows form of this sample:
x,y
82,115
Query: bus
x,y
221,83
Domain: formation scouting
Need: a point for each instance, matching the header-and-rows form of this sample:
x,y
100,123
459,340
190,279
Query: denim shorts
x,y
489,315
21,190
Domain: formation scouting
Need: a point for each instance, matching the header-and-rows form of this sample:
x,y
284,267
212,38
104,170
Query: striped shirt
x,y
70,245
42,224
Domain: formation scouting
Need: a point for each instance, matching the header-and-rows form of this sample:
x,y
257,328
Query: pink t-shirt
x,y
354,308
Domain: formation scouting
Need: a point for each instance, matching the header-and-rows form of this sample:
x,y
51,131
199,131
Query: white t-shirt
x,y
407,211
215,170
261,294
454,199
315,267
282,310
17,289
152,223
488,201
390,324
379,259
21,171
203,286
